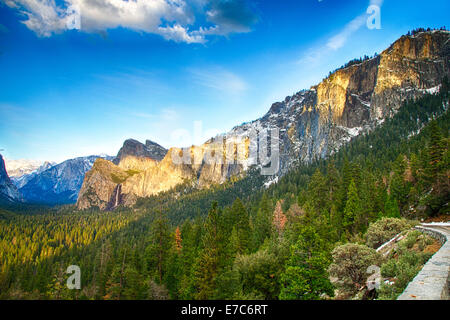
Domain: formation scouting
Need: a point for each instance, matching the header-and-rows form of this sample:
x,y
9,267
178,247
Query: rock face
x,y
59,184
108,185
317,122
134,148
8,191
312,123
103,179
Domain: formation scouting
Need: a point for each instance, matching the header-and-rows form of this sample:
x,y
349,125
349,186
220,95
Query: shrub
x,y
388,292
350,263
404,265
411,238
258,274
389,269
384,230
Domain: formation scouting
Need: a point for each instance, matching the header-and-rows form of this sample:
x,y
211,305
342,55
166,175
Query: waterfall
x,y
118,189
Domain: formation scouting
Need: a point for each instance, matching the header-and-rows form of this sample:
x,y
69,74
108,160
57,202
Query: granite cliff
x,y
8,191
133,147
312,124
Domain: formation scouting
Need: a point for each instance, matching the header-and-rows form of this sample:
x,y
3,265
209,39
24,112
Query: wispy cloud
x,y
337,41
133,78
16,114
165,115
172,19
143,115
219,79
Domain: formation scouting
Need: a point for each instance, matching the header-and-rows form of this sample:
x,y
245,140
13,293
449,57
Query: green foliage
x,y
352,210
116,179
240,221
157,252
350,264
403,264
391,208
211,259
228,249
262,222
384,230
132,172
258,274
306,277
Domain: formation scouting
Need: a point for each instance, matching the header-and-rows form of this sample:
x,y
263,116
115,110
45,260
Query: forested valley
x,y
239,240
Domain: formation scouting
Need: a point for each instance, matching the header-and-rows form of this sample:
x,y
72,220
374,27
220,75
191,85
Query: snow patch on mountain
x,y
60,183
20,167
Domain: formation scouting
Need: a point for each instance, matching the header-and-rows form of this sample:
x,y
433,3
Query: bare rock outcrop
x,y
312,124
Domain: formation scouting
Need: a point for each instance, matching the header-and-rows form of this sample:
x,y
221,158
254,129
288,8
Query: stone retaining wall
x,y
432,282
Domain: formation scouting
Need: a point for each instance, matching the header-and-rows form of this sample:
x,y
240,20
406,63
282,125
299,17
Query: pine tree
x,y
115,285
391,209
399,188
242,226
191,234
178,240
160,244
435,153
209,262
414,167
332,182
319,191
58,289
346,179
279,220
353,210
262,221
305,277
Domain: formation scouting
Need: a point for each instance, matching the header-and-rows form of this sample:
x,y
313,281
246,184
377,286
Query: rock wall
x,y
143,177
312,123
8,191
432,282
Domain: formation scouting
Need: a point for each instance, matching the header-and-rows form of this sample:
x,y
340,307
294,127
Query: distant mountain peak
x,y
19,167
21,180
57,183
132,147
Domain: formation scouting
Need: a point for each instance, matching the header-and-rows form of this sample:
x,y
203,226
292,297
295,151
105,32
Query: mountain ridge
x,y
135,148
315,123
60,183
21,180
20,167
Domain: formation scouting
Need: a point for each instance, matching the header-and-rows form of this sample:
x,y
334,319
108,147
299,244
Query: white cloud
x,y
219,79
43,16
178,33
171,19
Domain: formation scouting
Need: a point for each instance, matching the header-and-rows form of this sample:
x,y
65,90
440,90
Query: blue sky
x,y
173,71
